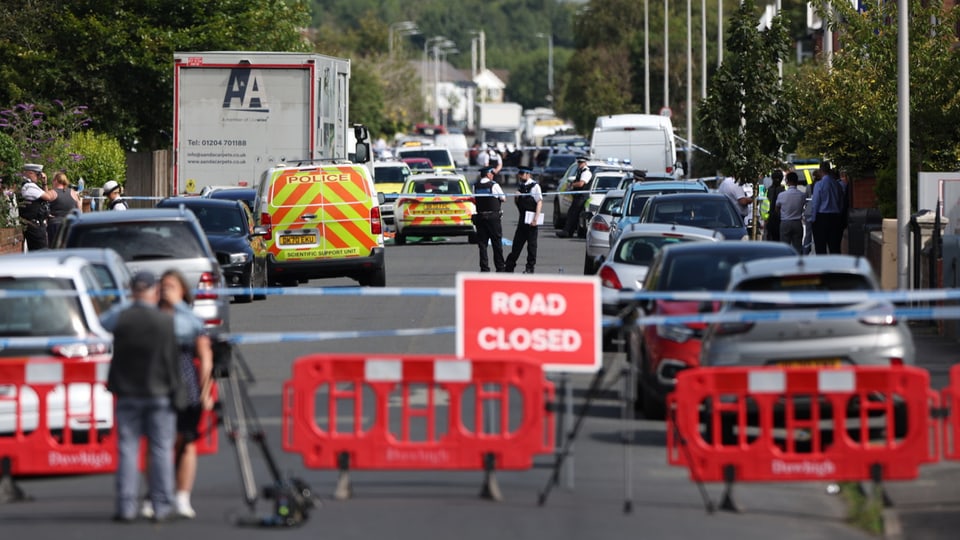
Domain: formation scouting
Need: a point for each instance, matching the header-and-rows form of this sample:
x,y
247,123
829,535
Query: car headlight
x,y
239,258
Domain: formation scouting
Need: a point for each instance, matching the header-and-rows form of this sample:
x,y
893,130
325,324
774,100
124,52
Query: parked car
x,y
706,210
435,205
388,178
156,240
439,157
667,349
561,201
873,336
418,164
598,230
637,193
239,245
247,195
600,184
63,326
554,165
110,270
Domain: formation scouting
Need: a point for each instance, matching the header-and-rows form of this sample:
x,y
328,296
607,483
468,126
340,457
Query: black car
x,y
554,166
238,245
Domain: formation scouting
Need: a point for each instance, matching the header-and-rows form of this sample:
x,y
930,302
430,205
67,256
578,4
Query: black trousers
x,y
36,236
525,234
573,214
827,234
489,231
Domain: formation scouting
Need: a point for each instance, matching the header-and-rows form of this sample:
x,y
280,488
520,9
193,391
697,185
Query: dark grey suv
x,y
156,240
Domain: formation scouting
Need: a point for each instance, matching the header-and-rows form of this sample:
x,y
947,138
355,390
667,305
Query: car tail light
x,y
609,278
206,287
267,223
669,169
79,350
376,226
896,361
731,328
599,224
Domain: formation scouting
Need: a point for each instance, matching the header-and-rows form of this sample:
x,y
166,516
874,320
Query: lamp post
x,y
440,47
424,65
549,64
402,28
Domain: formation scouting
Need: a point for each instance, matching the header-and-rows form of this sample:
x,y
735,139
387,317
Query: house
x,y
448,93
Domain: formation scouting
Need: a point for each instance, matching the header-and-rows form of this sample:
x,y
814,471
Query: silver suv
x,y
156,240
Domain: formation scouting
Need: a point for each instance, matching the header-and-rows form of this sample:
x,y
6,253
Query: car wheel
x,y
557,221
399,239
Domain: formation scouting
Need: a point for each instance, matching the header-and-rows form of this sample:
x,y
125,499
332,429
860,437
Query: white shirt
x,y
30,191
734,192
483,159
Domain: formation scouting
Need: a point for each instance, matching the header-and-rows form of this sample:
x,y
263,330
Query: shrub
x,y
97,158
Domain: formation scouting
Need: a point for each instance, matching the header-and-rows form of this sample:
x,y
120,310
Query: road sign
x,y
554,320
666,111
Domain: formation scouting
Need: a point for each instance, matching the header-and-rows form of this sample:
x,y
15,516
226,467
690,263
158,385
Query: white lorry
x,y
499,124
644,141
237,113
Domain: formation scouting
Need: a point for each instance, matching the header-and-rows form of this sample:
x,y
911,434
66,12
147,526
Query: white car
x,y
60,326
598,229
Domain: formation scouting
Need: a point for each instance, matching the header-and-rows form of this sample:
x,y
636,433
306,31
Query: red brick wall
x,y
863,195
11,241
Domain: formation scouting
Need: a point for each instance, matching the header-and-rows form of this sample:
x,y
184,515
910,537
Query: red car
x,y
418,164
667,349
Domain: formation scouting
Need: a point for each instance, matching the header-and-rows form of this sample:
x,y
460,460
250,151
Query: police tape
x,y
787,298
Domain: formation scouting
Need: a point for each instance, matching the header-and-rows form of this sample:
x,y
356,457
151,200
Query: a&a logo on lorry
x,y
246,91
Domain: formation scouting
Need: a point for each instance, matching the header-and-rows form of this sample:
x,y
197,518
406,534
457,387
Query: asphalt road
x,y
429,504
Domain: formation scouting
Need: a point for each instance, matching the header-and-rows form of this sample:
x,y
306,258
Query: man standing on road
x,y
734,191
489,197
530,203
789,208
145,378
827,207
580,183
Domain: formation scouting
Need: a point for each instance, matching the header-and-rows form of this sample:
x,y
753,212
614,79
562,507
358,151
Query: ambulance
x,y
323,220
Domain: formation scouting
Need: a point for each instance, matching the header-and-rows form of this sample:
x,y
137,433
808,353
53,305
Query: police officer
x,y
580,183
35,197
489,197
530,204
112,191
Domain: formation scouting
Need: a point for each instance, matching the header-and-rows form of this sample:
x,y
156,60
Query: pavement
x,y
928,508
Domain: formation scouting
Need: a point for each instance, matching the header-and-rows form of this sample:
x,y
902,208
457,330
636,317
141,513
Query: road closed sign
x,y
554,320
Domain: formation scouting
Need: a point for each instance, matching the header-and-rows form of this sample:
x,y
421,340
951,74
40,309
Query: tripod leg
x,y
568,440
235,423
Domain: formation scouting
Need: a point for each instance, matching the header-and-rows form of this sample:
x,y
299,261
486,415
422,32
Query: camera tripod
x,y
292,497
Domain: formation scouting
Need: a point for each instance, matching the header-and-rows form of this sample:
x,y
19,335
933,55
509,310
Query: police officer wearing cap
x,y
530,203
112,191
580,183
489,197
35,197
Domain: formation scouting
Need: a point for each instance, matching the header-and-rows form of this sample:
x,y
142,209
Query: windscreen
x,y
40,316
141,241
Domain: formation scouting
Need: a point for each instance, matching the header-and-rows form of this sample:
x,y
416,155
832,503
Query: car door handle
x,y
309,216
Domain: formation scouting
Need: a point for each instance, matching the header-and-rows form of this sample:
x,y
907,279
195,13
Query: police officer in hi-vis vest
x,y
530,203
489,197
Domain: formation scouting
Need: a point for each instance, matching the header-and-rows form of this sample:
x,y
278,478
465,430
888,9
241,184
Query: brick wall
x,y
11,241
863,195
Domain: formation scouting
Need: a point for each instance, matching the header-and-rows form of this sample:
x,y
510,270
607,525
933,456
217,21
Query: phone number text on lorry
x,y
216,142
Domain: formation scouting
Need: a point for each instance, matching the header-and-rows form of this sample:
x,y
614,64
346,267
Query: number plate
x,y
298,239
813,362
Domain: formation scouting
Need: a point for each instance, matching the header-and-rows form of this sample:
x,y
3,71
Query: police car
x,y
434,205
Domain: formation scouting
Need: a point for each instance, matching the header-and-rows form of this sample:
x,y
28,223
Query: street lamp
x,y
440,47
424,66
402,28
549,64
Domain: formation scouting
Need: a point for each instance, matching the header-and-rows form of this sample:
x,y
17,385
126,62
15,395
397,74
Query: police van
x,y
323,221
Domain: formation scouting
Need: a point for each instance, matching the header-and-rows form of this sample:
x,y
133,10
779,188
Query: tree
x,y
121,53
745,119
849,112
595,86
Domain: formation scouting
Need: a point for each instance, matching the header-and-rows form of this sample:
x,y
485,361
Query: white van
x,y
457,144
646,140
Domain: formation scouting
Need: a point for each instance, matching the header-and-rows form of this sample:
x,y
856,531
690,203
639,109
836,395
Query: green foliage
x,y
863,512
40,131
849,112
99,159
10,163
366,97
120,53
592,89
746,119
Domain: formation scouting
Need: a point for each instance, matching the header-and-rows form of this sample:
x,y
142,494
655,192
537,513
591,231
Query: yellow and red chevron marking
x,y
338,200
448,209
